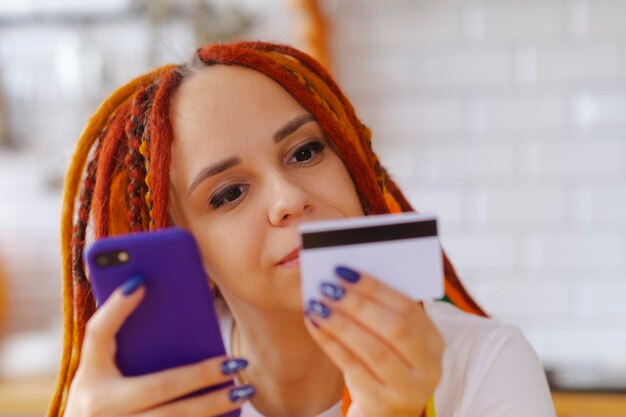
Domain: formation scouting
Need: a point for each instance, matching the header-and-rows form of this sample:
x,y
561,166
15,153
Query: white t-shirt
x,y
489,369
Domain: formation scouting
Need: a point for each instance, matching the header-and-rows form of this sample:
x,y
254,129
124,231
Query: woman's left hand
x,y
387,347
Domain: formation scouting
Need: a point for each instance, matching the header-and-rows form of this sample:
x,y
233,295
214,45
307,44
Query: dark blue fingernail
x,y
347,274
241,393
232,366
332,291
132,284
318,308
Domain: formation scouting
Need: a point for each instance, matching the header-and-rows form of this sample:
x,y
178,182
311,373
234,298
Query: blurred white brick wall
x,y
508,119
29,236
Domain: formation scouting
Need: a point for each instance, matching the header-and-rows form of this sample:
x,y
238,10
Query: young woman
x,y
239,147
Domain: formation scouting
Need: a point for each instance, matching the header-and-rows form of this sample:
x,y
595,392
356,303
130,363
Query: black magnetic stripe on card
x,y
369,234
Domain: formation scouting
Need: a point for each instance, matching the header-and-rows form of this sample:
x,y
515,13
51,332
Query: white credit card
x,y
401,250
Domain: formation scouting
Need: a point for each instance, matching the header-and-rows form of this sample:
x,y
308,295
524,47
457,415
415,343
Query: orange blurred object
x,y
314,30
583,404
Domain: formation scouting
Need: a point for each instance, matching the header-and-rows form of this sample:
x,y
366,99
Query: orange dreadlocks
x,y
125,182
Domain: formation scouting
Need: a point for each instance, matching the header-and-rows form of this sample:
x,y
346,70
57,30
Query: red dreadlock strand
x,y
113,141
135,129
144,150
161,135
82,220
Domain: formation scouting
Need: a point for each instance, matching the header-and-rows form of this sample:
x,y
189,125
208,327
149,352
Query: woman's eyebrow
x,y
212,170
291,126
282,133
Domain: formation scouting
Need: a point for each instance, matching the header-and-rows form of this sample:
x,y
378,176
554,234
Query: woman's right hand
x,y
99,388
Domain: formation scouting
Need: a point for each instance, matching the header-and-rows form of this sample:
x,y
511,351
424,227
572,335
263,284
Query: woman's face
x,y
249,164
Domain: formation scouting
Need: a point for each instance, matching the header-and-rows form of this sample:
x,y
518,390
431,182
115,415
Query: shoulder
x,y
466,333
472,342
487,365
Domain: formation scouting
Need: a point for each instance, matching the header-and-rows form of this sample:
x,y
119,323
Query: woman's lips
x,y
291,260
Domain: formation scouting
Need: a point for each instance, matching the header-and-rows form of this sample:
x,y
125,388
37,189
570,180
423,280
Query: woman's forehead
x,y
224,111
229,96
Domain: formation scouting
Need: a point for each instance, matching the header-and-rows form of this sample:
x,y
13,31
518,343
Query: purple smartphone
x,y
176,323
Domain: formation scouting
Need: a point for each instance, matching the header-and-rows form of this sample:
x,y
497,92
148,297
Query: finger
x,y
99,344
431,332
360,381
397,332
214,403
147,391
366,284
357,373
385,364
363,283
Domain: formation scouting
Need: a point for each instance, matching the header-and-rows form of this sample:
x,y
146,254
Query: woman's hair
x,y
123,160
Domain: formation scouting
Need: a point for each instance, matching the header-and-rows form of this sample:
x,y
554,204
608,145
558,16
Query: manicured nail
x,y
332,291
232,366
318,308
347,274
132,284
241,393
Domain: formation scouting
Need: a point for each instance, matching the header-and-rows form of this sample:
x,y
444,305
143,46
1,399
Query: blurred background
x,y
506,118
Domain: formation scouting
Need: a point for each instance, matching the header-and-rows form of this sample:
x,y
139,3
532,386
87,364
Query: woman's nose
x,y
289,201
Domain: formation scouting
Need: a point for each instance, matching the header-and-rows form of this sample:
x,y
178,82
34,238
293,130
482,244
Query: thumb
x,y
99,345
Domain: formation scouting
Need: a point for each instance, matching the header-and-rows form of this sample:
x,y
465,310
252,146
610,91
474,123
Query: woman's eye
x,y
308,151
227,196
